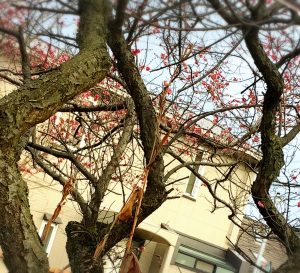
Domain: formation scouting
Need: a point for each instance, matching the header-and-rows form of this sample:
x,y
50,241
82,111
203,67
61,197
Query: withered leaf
x,y
126,211
130,264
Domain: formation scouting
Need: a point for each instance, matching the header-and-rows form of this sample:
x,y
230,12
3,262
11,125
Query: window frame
x,y
215,265
52,235
194,182
194,268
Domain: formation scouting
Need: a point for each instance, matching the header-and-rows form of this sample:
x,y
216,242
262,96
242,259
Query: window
x,y
48,242
205,267
185,260
263,263
194,183
201,262
223,270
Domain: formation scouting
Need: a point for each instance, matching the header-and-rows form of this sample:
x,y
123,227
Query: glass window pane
x,y
192,179
196,187
185,260
207,258
47,239
191,183
205,267
223,270
202,256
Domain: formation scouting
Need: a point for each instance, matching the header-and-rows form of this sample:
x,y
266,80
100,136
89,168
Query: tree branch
x,y
104,107
38,99
75,194
273,159
290,135
105,179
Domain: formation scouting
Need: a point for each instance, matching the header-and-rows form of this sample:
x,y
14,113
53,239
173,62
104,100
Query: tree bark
x,y
33,103
23,251
81,245
273,159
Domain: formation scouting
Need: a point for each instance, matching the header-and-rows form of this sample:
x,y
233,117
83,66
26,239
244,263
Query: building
x,y
251,243
181,236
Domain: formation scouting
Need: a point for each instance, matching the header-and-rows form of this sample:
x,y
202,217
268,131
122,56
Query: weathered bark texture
x,y
81,245
273,159
83,237
19,240
31,104
155,193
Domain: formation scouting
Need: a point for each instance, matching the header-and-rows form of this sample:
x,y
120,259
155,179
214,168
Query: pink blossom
x,y
261,204
169,91
256,139
135,51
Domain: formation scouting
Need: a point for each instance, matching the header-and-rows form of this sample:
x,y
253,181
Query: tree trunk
x,y
33,103
273,158
81,246
16,223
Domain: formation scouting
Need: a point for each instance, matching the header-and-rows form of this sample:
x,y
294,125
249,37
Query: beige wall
x,y
147,259
193,215
2,266
44,195
5,86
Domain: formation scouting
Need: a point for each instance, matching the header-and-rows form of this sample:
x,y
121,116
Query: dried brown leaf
x,y
130,264
99,248
126,211
66,190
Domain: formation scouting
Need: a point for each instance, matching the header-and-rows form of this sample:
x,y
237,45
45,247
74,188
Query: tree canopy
x,y
97,80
